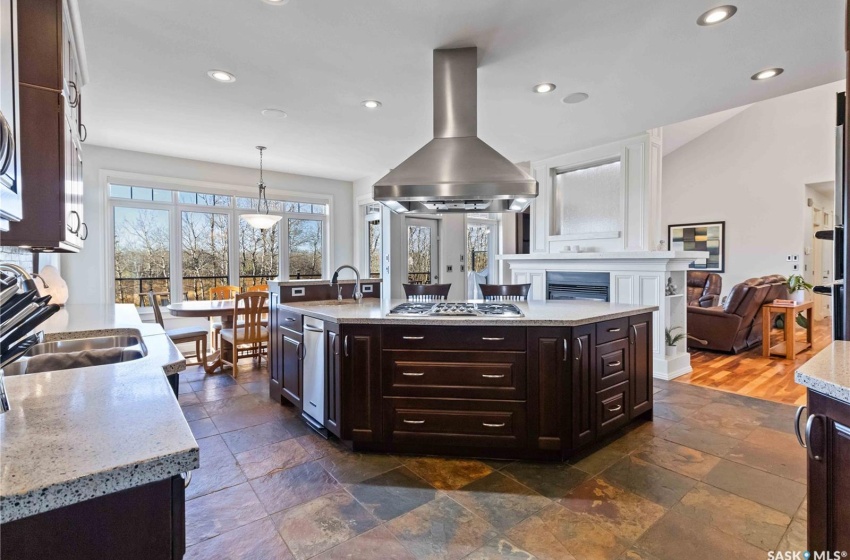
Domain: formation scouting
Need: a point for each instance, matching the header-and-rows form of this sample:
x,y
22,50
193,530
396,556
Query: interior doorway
x,y
480,254
423,250
818,258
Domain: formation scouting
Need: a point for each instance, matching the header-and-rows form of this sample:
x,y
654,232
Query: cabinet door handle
x,y
615,364
493,375
299,350
84,132
85,235
564,359
76,99
413,421
345,345
413,373
808,445
491,425
494,338
290,319
580,349
76,229
616,408
634,334
797,433
413,337
614,329
335,344
187,477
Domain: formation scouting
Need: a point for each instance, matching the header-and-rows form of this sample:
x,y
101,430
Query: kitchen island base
x,y
511,390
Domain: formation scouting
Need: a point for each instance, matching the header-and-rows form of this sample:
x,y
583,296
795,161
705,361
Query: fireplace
x,y
578,285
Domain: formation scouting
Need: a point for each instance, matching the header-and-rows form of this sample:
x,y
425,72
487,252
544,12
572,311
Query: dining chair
x,y
251,335
197,335
426,292
505,292
258,288
221,293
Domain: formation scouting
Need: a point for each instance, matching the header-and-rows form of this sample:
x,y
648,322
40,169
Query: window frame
x,y
234,213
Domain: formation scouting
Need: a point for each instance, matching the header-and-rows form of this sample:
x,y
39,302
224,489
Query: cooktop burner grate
x,y
458,309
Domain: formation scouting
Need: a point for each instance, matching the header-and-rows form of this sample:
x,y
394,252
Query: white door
x,y
480,255
423,251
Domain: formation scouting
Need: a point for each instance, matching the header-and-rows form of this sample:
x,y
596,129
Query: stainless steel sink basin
x,y
67,354
81,344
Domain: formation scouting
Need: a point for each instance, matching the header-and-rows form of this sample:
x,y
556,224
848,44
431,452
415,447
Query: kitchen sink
x,y
80,344
73,353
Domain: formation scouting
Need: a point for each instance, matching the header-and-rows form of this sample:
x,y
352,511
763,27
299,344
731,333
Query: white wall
x,y
86,272
751,172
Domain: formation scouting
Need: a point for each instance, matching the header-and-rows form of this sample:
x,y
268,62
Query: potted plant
x,y
797,288
672,340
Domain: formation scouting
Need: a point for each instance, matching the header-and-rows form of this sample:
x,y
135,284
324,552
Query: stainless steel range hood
x,y
456,171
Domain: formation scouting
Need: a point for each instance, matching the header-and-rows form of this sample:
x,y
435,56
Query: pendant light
x,y
261,220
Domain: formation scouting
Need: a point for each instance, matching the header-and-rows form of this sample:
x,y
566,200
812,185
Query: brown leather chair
x,y
505,292
704,288
736,326
426,292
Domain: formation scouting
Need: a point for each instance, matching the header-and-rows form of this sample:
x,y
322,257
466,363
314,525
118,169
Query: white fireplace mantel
x,y
638,277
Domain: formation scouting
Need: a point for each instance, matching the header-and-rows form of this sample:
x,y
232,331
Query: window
x,y
373,240
587,200
204,253
181,243
305,248
142,260
480,253
422,251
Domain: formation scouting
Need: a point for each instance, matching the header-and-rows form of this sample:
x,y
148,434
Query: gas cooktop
x,y
457,309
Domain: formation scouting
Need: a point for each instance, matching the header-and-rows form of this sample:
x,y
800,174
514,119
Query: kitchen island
x,y
827,438
92,457
540,386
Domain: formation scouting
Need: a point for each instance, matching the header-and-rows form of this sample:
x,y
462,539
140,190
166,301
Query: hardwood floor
x,y
752,375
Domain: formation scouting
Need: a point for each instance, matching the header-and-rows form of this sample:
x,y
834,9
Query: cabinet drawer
x,y
615,329
455,422
478,375
612,406
454,338
611,359
290,320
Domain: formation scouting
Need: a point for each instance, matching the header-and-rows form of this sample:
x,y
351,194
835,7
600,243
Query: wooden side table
x,y
789,347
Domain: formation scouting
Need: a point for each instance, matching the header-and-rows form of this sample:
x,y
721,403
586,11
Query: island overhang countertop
x,y
828,372
535,313
77,434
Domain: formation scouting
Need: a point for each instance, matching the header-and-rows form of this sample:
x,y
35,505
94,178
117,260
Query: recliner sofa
x,y
704,288
736,326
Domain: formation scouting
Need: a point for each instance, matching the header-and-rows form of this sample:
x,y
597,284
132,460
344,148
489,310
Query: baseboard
x,y
671,367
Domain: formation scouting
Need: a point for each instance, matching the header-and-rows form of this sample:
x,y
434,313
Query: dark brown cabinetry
x,y
488,391
11,204
828,439
50,126
142,523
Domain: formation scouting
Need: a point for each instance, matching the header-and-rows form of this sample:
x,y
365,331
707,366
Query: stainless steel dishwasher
x,y
314,372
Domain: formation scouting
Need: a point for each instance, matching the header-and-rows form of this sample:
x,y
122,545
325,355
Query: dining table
x,y
222,308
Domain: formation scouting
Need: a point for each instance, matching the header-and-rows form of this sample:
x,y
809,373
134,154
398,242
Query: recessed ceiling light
x,y
371,104
276,2
576,97
716,15
273,113
222,76
543,88
767,74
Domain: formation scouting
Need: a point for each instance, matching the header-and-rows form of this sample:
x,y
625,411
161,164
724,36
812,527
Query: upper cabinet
x,y
10,160
51,129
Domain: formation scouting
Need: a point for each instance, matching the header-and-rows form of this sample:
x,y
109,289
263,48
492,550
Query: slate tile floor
x,y
715,475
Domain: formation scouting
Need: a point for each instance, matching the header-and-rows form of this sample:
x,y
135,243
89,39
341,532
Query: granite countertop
x,y
828,372
537,313
77,434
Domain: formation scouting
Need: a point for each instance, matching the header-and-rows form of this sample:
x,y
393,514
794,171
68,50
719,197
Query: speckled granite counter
x,y
537,313
828,372
77,434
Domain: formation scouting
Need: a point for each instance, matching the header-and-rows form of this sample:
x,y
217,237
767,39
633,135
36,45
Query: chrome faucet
x,y
357,294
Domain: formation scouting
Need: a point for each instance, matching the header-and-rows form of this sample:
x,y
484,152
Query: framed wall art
x,y
707,236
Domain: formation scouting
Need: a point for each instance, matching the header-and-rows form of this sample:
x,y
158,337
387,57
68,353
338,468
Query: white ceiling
x,y
644,64
677,135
